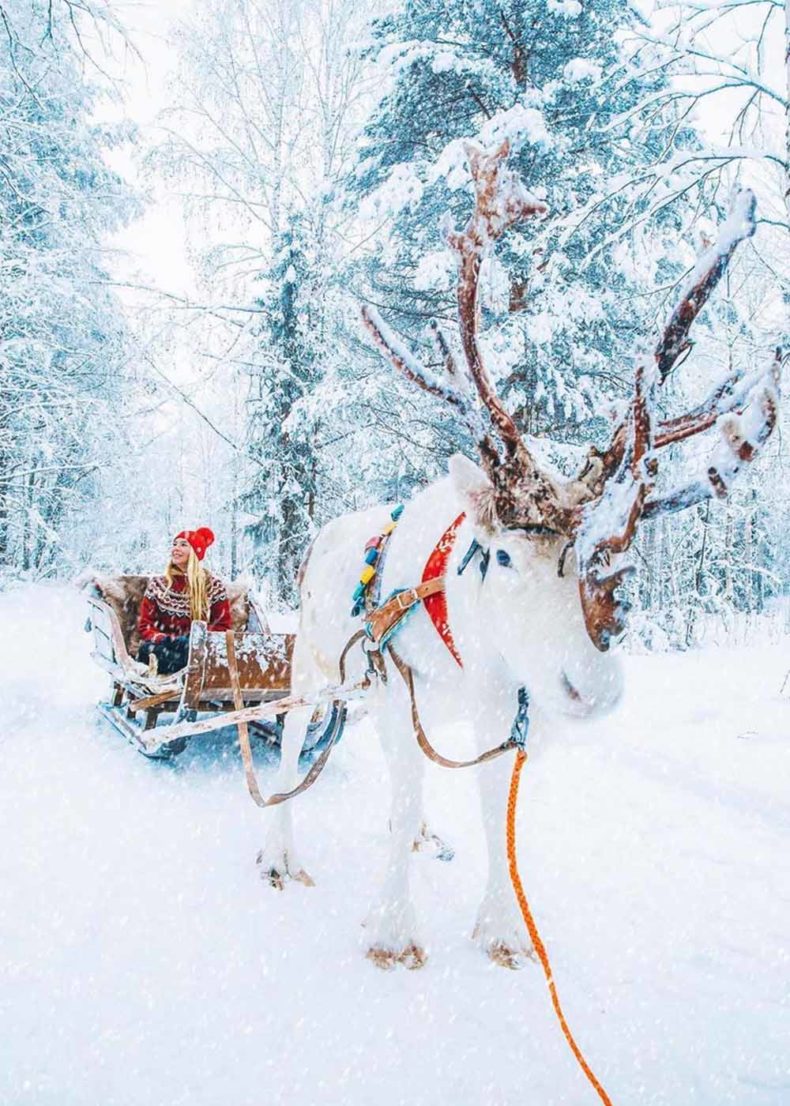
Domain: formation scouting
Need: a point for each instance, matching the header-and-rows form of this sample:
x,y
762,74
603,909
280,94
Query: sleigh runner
x,y
248,669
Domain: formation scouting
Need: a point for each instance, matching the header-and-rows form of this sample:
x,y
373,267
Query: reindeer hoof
x,y
385,959
507,953
499,952
274,878
432,844
411,957
277,875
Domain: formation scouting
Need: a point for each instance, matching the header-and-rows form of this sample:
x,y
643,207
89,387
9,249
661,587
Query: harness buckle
x,y
410,595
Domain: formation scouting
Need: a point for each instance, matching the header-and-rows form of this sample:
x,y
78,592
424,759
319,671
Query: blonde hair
x,y
197,585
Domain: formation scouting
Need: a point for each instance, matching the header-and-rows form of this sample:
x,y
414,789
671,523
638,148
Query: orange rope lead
x,y
529,921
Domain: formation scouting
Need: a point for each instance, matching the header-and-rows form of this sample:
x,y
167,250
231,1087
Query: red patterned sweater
x,y
164,611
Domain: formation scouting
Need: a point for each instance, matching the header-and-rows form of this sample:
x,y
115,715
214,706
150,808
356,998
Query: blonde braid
x,y
197,586
197,582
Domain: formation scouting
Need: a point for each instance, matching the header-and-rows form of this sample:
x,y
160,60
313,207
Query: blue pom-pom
x,y
371,556
396,512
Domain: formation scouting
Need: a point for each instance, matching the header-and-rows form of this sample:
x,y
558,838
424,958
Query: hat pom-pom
x,y
205,536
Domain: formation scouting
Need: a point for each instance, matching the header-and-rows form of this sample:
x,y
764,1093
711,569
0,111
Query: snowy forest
x,y
197,202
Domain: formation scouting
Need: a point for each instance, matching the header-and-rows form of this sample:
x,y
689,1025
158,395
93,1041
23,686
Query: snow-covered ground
x,y
142,963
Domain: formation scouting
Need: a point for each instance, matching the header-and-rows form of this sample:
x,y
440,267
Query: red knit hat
x,y
200,540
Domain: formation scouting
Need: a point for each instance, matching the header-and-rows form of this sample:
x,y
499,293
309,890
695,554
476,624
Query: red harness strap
x,y
436,604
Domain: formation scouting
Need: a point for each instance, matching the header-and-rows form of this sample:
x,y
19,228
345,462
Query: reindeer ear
x,y
476,492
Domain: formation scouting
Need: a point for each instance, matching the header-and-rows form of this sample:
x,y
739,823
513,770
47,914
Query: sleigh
x,y
248,668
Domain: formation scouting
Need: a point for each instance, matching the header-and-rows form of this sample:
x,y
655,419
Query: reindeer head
x,y
596,513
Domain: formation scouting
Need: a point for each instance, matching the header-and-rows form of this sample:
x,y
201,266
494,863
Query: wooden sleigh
x,y
159,714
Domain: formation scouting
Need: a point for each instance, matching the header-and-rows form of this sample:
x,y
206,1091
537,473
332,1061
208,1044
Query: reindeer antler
x,y
695,292
524,492
704,277
410,366
607,525
500,201
744,406
601,508
743,433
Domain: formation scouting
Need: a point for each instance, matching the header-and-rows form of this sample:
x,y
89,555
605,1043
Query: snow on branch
x,y
404,361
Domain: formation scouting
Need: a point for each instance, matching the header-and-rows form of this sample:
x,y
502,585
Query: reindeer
x,y
538,618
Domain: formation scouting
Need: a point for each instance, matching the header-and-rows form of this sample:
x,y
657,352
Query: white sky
x,y
155,243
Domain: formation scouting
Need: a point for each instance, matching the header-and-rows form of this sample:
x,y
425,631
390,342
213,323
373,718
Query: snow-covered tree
x,y
258,135
598,105
555,78
282,419
64,358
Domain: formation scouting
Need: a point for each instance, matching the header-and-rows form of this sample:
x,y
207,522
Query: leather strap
x,y
317,767
419,732
381,620
242,728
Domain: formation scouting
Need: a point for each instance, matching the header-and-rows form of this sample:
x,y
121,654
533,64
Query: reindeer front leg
x,y
391,926
499,930
278,861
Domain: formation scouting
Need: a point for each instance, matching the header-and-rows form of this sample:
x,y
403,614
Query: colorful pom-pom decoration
x,y
373,548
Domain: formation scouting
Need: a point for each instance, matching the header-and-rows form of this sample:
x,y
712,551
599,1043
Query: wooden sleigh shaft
x,y
324,700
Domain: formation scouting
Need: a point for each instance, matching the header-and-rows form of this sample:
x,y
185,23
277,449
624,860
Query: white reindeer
x,y
538,618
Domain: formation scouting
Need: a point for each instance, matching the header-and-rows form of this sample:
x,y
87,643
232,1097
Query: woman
x,y
186,592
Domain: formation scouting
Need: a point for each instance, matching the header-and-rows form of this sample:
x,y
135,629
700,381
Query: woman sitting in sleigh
x,y
185,593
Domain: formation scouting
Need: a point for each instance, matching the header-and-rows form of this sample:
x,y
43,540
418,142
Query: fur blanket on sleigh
x,y
125,594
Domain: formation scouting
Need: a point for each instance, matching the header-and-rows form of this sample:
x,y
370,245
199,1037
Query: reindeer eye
x,y
503,558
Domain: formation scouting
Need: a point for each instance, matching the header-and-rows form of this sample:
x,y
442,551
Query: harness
x,y
383,620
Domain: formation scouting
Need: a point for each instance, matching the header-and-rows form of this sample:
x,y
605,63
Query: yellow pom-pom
x,y
388,528
367,574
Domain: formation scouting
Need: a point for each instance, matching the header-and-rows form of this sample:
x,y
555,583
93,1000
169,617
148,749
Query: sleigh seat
x,y
205,684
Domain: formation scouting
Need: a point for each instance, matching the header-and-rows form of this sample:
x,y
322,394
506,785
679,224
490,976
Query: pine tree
x,y
63,352
554,78
282,417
